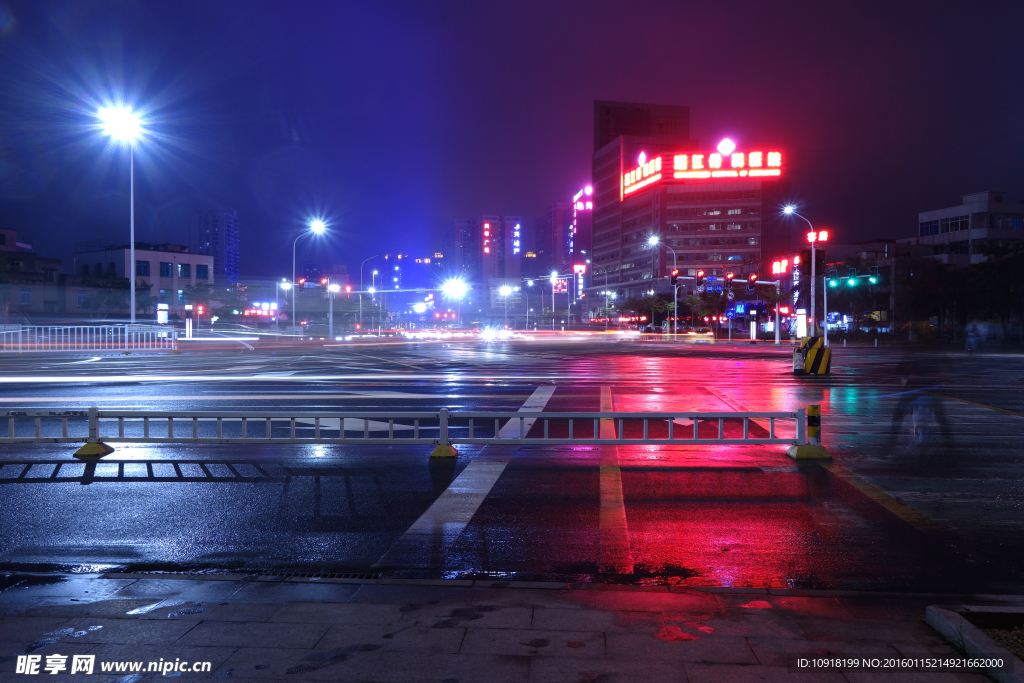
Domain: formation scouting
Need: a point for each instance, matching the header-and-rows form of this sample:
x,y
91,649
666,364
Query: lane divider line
x,y
980,405
905,512
614,556
425,542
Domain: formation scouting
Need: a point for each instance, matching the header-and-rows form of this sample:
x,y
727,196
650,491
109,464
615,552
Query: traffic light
x,y
302,281
728,279
199,311
751,281
852,279
323,283
348,289
873,277
675,277
833,278
700,277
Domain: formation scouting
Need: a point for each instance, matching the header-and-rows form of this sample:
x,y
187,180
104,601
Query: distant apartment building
x,y
552,231
215,233
169,268
960,235
460,258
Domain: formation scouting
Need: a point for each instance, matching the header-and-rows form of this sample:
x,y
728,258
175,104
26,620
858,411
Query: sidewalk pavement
x,y
300,629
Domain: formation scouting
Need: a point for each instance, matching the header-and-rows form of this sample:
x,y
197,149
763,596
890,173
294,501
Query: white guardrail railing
x,y
88,338
442,427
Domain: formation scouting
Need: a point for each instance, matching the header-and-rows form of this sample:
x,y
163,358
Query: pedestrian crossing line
x,y
614,556
425,542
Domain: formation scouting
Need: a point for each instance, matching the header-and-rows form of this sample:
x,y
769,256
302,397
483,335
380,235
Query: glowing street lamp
x,y
505,291
316,226
655,240
813,237
123,125
455,288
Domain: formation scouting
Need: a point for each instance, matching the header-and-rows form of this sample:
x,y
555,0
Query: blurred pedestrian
x,y
920,430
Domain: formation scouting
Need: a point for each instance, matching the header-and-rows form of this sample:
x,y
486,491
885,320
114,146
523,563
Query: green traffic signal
x,y
873,280
852,282
833,283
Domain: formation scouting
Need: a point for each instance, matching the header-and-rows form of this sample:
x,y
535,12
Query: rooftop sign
x,y
725,163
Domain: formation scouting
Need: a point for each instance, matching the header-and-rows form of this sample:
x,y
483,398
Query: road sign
x,y
712,278
718,289
730,295
730,314
700,288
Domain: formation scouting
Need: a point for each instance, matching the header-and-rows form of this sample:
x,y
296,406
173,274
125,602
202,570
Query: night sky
x,y
392,119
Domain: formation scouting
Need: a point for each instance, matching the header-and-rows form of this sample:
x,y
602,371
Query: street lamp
x,y
554,279
125,126
285,285
332,289
812,237
316,227
456,289
505,292
654,241
361,285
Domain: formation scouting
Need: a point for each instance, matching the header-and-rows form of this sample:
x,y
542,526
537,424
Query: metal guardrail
x,y
88,338
383,428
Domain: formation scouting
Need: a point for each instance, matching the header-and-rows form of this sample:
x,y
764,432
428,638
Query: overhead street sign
x,y
712,278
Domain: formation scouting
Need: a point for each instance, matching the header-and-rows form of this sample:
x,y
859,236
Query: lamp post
x,y
285,286
654,241
812,237
316,227
607,315
554,279
124,125
361,285
505,292
332,289
455,289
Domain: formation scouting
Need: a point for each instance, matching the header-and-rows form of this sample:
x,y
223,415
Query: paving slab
x,y
432,631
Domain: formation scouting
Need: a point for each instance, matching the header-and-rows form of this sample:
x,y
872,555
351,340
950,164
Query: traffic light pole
x,y
824,304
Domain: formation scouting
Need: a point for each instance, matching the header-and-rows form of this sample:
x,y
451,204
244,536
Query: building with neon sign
x,y
713,204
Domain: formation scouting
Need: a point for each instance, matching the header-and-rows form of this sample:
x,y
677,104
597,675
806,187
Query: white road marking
x,y
443,522
614,556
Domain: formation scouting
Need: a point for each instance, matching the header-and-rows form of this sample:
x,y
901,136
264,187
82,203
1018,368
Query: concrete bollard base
x,y
444,451
93,450
808,453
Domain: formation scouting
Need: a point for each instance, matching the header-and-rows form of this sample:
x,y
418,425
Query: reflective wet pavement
x,y
883,515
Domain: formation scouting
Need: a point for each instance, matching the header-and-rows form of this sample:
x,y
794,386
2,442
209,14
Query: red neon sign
x,y
725,163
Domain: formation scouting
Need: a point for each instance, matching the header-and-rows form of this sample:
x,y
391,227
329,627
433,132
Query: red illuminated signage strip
x,y
642,184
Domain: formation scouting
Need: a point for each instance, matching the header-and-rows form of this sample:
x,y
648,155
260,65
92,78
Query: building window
x,y
714,257
735,257
185,270
26,297
751,240
165,269
733,226
49,307
111,267
929,228
49,275
85,269
735,211
202,271
142,268
81,298
97,269
165,295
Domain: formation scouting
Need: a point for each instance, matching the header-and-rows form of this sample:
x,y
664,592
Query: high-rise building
x,y
514,243
665,122
215,233
578,242
457,247
711,206
552,231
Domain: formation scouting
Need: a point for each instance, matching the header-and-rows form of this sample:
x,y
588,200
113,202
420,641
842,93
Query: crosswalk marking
x,y
424,543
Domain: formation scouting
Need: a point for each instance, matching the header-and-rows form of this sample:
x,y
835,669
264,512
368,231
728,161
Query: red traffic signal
x,y
302,280
730,276
348,288
675,276
752,278
323,281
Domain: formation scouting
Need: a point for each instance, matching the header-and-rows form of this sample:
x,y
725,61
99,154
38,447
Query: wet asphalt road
x,y
882,515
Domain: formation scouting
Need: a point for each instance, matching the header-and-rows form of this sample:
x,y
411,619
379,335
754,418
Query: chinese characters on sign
x,y
691,166
515,239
